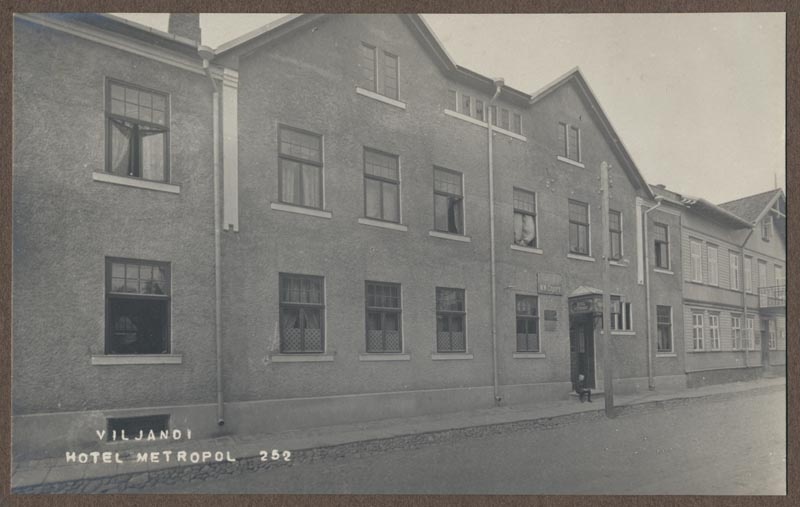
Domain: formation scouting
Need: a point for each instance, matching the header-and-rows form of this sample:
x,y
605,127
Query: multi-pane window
x,y
571,139
696,261
750,338
302,308
450,320
748,274
734,264
516,126
379,76
137,133
621,319
664,324
766,228
661,244
383,317
466,104
448,201
452,100
762,274
698,332
713,331
780,277
137,307
713,265
736,332
524,218
505,120
381,186
527,324
300,167
773,334
578,227
479,110
615,234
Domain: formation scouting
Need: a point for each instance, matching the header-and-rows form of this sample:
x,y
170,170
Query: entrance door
x,y
581,345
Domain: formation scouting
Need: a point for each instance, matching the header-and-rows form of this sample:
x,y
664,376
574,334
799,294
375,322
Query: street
x,y
733,445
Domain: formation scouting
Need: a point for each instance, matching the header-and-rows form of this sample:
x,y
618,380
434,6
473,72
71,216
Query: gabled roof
x,y
575,76
753,207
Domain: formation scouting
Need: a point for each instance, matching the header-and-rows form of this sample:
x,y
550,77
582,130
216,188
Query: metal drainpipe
x,y
217,248
651,381
497,83
744,299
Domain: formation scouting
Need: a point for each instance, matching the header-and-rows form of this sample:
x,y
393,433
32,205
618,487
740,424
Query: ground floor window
x,y
302,309
698,332
137,307
620,314
713,331
527,324
736,332
383,317
664,323
773,335
450,320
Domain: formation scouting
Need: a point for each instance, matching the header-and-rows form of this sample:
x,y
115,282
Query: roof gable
x,y
753,207
615,142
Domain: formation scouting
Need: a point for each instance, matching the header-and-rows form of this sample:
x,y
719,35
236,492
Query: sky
x,y
697,99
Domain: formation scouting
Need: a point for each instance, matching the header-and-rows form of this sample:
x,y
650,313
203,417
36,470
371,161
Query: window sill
x,y
618,264
666,354
136,183
570,162
300,210
450,236
450,356
301,358
475,121
380,98
380,223
663,271
384,357
528,355
578,257
623,333
120,359
527,249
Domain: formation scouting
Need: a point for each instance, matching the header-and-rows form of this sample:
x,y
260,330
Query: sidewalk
x,y
55,475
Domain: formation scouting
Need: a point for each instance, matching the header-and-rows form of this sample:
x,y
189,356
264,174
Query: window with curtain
x,y
661,244
527,324
137,132
448,201
383,317
615,234
300,167
137,307
302,308
381,186
450,320
664,325
525,218
621,318
578,228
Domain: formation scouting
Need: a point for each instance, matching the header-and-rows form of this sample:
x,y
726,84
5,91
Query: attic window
x,y
766,228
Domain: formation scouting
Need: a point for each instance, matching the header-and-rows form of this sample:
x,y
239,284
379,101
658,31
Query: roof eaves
x,y
258,32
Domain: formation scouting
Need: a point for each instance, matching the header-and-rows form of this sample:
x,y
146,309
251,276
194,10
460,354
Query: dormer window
x,y
766,228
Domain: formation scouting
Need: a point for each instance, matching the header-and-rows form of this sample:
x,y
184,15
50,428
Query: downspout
x,y
744,300
651,381
498,83
206,54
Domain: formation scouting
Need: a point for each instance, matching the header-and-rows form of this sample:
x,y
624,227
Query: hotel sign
x,y
550,283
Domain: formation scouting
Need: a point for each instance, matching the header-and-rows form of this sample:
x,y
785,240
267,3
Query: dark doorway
x,y
581,347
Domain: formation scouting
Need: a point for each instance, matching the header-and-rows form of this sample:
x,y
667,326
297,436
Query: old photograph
x,y
399,253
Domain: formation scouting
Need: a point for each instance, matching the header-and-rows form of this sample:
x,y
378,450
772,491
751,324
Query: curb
x,y
137,481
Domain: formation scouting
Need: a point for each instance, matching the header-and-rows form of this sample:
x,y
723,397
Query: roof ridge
x,y
750,196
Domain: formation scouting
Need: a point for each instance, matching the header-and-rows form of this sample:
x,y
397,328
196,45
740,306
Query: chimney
x,y
185,25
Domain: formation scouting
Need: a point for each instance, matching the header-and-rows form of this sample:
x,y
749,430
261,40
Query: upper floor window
x,y
380,71
734,265
579,228
137,132
302,306
300,167
762,273
383,318
450,320
748,274
661,244
615,234
138,307
713,265
381,186
570,137
474,107
527,324
621,318
696,260
524,218
448,201
780,277
766,228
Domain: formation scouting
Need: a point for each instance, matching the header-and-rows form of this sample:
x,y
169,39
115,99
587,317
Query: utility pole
x,y
608,384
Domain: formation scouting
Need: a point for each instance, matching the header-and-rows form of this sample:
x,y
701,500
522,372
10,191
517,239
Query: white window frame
x,y
779,280
736,332
773,334
763,281
713,272
750,333
696,260
713,330
625,315
671,333
748,274
766,228
698,331
734,265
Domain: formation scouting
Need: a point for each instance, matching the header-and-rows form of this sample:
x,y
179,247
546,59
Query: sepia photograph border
x,y
790,7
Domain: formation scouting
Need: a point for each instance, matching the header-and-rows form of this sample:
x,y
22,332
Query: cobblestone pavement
x,y
240,475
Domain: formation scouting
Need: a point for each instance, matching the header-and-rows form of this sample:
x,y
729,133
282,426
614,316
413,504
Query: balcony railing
x,y
772,297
